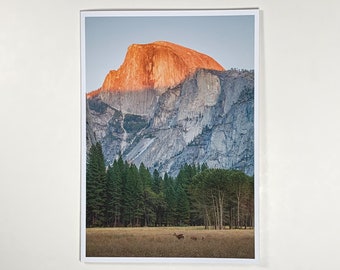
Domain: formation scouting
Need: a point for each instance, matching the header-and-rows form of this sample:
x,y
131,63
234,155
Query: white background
x,y
40,132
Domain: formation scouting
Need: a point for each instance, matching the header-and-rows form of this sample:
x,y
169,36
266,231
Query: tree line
x,y
123,194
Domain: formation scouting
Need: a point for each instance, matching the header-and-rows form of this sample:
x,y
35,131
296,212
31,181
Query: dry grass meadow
x,y
161,242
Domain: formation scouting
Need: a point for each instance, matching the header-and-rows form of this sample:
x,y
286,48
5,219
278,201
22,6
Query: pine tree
x,y
159,199
109,197
115,187
170,200
95,187
156,182
184,179
138,196
182,207
147,195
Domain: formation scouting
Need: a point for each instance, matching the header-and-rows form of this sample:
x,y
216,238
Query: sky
x,y
227,39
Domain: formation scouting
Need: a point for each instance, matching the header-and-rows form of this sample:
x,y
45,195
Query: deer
x,y
179,236
193,238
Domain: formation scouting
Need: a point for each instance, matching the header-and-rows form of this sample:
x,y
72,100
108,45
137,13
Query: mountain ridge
x,y
207,116
185,124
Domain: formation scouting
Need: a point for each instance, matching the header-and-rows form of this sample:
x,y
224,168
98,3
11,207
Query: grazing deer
x,y
179,236
193,238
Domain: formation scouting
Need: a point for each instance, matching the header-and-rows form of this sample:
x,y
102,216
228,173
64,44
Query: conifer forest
x,y
124,195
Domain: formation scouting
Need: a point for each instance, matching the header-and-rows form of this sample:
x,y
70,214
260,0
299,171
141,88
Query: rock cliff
x,y
199,115
159,65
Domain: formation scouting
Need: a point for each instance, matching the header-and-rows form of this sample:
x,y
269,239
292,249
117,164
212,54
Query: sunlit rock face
x,y
168,105
159,65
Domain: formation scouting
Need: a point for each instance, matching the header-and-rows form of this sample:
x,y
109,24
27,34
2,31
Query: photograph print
x,y
169,135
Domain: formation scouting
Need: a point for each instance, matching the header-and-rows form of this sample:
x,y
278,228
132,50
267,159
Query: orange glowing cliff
x,y
159,65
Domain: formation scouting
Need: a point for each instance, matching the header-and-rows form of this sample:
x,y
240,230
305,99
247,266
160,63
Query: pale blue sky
x,y
227,39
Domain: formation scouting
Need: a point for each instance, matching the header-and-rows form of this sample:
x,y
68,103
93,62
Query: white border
x,y
158,13
83,141
256,133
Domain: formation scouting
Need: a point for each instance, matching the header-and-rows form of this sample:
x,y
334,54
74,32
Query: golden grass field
x,y
160,242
